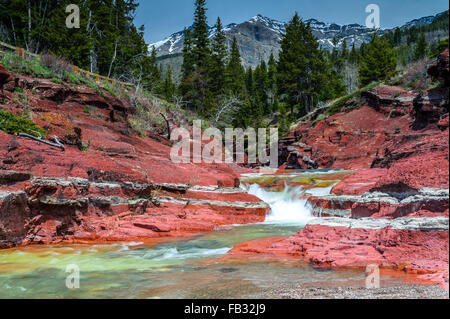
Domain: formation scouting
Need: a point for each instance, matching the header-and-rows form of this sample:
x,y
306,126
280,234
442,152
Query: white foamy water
x,y
285,206
173,253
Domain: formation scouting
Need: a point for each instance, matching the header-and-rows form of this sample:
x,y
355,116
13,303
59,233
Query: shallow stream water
x,y
185,268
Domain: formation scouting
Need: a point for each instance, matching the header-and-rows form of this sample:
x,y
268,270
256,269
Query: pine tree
x,y
353,57
272,82
397,37
187,86
201,55
219,56
344,51
302,73
379,61
260,78
151,73
235,72
283,121
249,83
200,37
420,50
168,86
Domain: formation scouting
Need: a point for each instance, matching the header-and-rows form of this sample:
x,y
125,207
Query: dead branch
x,y
57,143
168,125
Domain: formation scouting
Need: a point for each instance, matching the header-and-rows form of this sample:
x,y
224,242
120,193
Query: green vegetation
x,y
57,81
13,124
303,73
31,67
438,48
107,41
18,89
214,86
379,61
420,50
337,106
35,68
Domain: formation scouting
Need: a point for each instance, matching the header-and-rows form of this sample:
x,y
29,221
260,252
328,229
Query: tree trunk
x,y
28,42
113,58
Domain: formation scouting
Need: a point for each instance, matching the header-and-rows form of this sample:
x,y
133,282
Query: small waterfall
x,y
285,206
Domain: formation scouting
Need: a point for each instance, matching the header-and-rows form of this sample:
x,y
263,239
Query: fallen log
x,y
57,143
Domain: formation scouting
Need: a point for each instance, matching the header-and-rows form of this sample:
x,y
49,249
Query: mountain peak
x,y
259,36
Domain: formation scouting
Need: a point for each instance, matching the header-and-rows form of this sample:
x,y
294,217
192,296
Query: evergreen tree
x,y
420,50
186,86
302,69
272,83
397,37
151,73
260,79
219,56
235,72
201,54
283,120
168,87
200,37
249,83
344,51
353,57
379,61
107,41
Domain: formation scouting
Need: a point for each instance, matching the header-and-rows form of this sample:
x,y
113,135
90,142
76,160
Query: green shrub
x,y
31,67
439,48
72,78
321,117
138,125
57,81
12,124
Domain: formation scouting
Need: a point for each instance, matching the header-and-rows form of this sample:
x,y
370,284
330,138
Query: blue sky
x,y
164,17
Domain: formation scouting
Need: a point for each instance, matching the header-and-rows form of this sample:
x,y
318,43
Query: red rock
x,y
5,75
156,227
114,155
359,182
338,247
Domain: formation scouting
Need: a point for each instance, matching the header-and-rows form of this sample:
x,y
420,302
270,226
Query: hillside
x,y
85,172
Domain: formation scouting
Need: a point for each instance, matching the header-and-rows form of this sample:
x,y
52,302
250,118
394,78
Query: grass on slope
x,y
34,67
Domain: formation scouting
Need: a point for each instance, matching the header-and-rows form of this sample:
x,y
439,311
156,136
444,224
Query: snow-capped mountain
x,y
174,43
259,37
421,21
